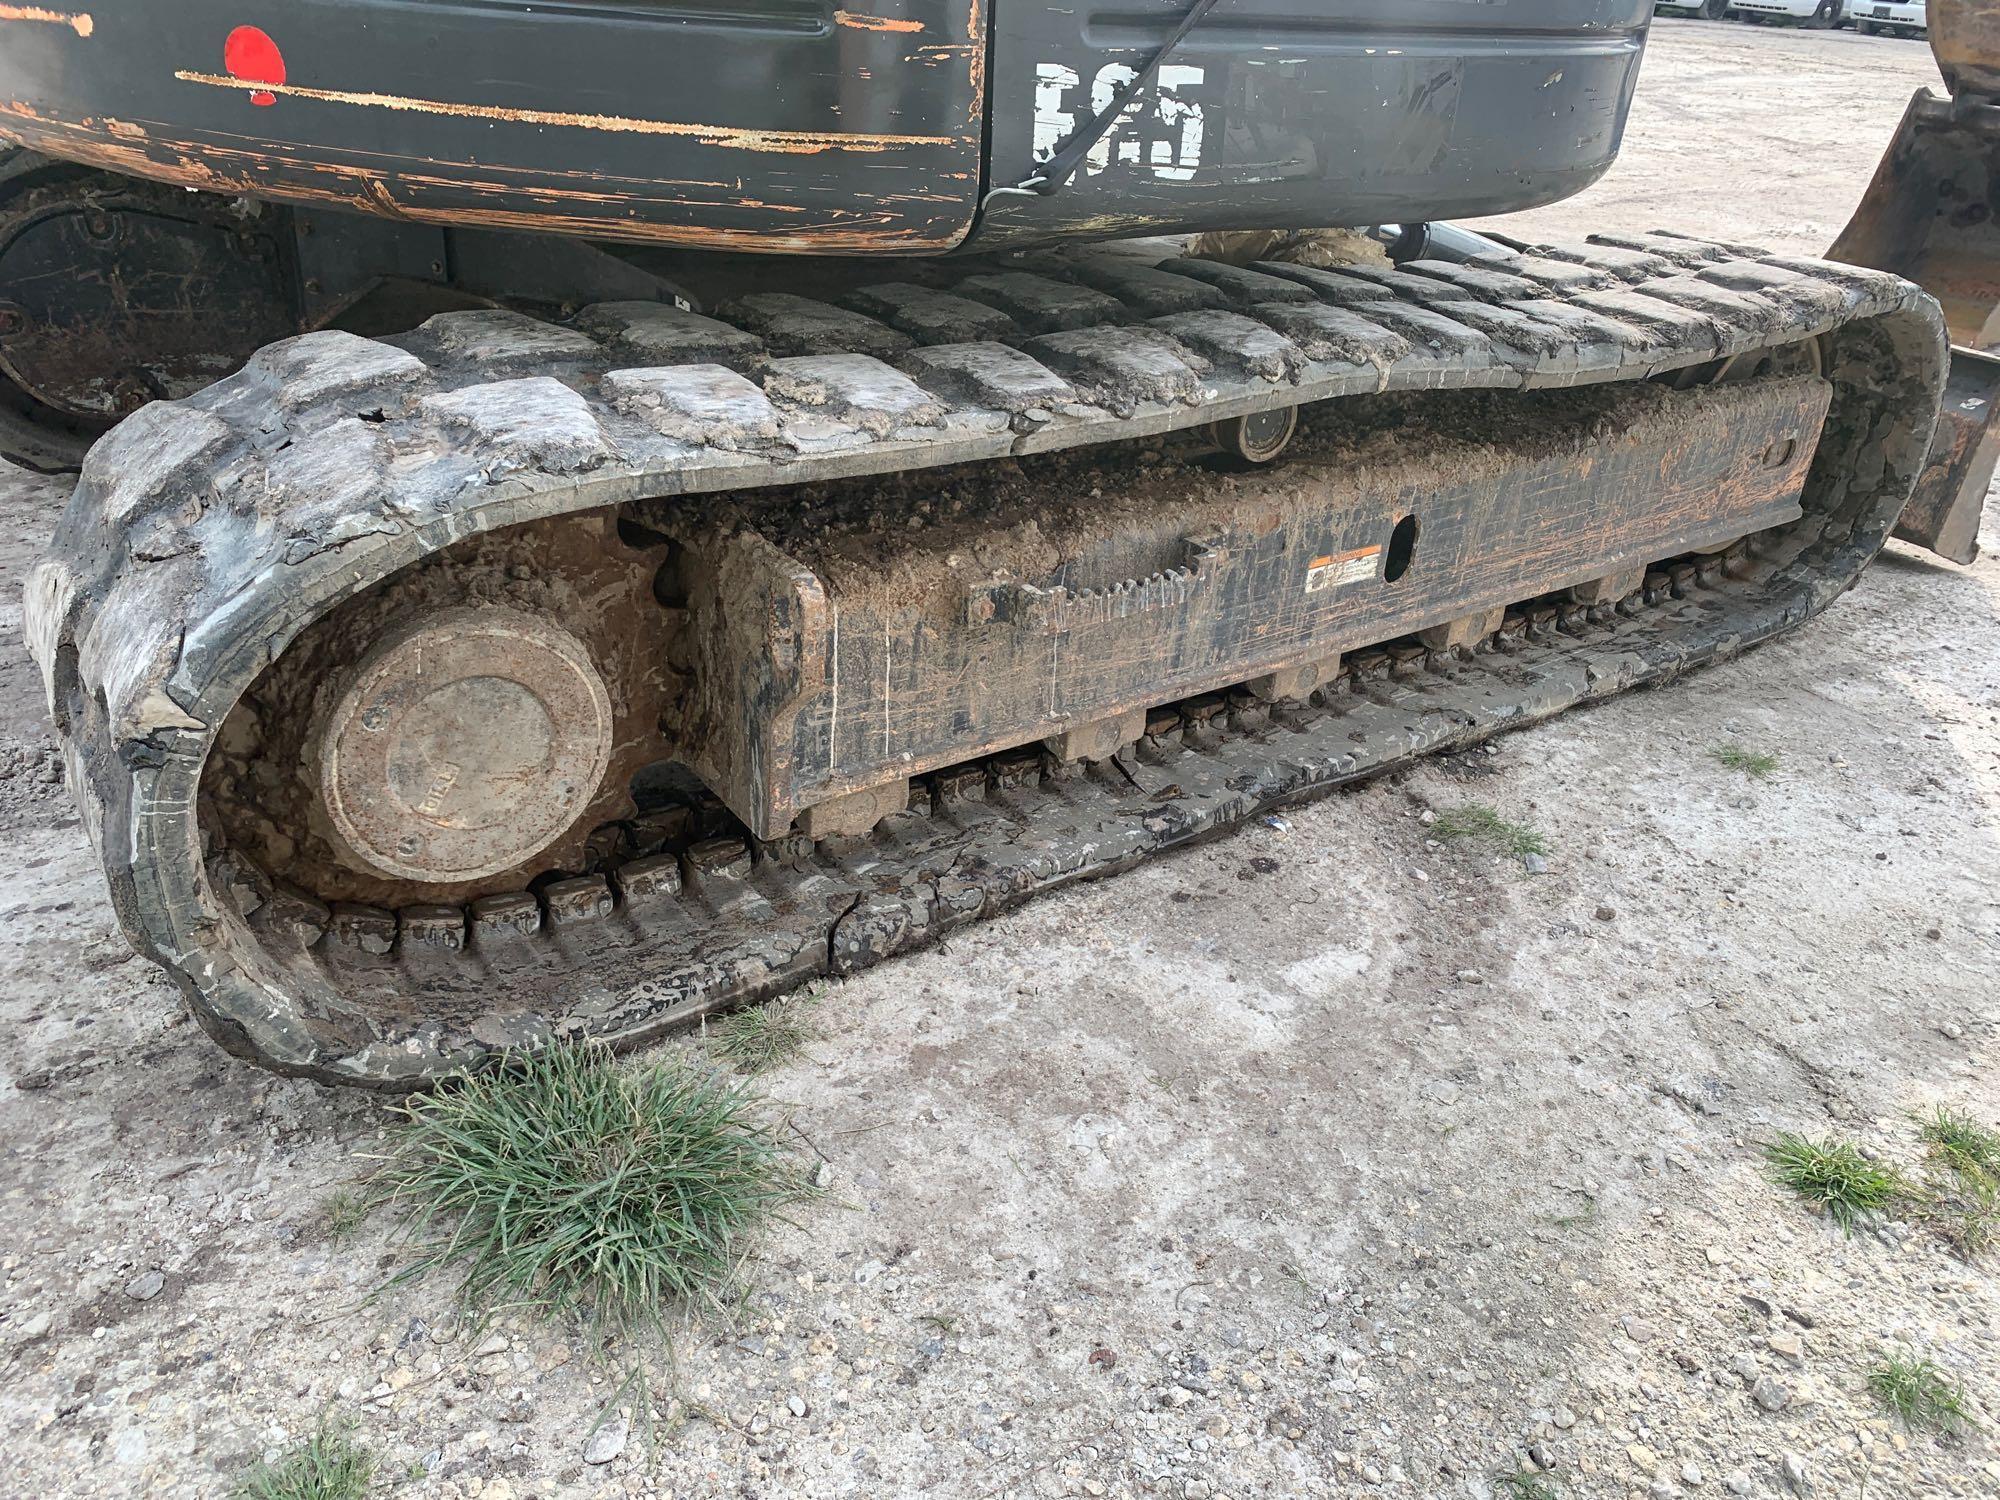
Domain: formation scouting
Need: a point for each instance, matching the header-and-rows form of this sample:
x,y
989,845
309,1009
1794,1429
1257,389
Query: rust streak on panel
x,y
802,142
975,28
77,21
862,22
258,150
386,192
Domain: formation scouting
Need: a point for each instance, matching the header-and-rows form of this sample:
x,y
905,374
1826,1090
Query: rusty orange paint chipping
x,y
387,191
800,142
861,22
975,34
77,21
218,146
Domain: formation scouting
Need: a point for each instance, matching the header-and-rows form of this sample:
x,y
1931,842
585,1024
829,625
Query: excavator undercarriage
x,y
506,681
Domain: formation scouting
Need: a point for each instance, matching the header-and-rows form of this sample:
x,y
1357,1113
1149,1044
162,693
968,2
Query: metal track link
x,y
206,534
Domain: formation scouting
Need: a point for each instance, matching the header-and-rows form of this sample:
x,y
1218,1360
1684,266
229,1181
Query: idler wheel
x,y
465,744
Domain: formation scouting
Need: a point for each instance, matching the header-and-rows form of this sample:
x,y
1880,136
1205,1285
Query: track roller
x,y
1258,438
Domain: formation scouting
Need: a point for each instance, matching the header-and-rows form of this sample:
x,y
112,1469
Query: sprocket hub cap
x,y
465,745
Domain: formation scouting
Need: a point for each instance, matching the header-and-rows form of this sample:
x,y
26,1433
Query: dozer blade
x,y
1965,36
1928,216
1944,509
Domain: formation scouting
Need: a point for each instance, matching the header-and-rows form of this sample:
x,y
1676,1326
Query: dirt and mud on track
x,y
1364,1162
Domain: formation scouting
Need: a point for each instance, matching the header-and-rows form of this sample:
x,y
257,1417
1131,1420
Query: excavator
x,y
595,512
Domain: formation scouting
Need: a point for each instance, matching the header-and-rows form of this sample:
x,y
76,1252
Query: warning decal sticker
x,y
1338,568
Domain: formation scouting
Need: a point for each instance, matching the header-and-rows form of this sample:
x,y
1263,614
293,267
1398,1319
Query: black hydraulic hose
x,y
1438,241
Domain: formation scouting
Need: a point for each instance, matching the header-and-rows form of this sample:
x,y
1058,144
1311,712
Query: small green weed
x,y
1960,1144
1475,822
1750,762
761,1037
1582,1218
343,1211
327,1466
1833,1176
1965,1212
568,1184
1523,1486
1961,1197
1919,1392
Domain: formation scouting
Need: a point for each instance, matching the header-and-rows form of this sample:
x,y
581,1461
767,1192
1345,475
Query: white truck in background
x,y
1819,15
1870,17
1905,17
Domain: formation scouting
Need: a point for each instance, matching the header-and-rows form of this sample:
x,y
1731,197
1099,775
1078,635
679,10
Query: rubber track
x,y
205,533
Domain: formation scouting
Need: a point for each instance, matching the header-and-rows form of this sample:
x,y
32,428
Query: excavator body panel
x,y
796,127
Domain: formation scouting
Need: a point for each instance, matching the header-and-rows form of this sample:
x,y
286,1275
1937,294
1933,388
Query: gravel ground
x,y
1318,1159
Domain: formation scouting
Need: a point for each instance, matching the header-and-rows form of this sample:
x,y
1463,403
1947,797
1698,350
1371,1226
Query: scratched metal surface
x,y
790,126
769,126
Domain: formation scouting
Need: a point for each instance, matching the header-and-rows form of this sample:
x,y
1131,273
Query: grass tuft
x,y
343,1211
1919,1392
1965,1212
1524,1486
1962,1197
1475,822
1583,1217
761,1037
1833,1176
1750,762
1960,1144
327,1466
572,1186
